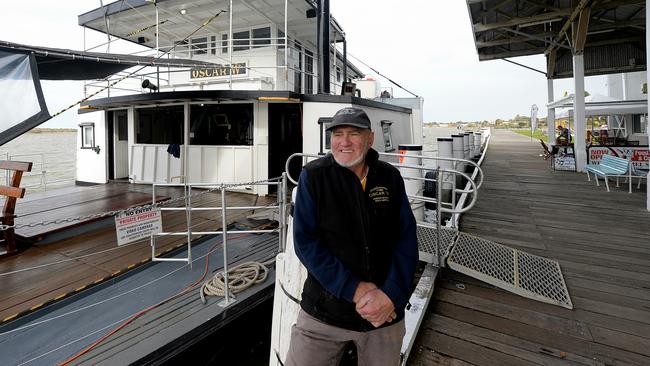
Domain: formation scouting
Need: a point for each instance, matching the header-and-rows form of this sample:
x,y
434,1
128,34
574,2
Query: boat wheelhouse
x,y
238,120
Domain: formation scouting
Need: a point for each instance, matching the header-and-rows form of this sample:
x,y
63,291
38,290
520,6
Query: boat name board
x,y
136,225
218,71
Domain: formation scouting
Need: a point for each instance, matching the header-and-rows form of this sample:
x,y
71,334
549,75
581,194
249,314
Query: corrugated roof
x,y
615,35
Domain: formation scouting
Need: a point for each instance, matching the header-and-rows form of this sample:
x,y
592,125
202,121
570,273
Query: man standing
x,y
356,235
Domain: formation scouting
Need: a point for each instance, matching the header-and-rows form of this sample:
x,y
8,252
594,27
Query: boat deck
x,y
176,319
601,241
76,201
42,274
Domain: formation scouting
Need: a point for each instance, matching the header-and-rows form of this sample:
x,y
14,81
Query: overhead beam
x,y
550,63
606,24
530,36
597,7
522,21
496,6
496,56
509,40
580,30
542,5
574,14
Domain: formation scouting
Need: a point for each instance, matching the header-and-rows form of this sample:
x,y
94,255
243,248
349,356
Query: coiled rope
x,y
240,277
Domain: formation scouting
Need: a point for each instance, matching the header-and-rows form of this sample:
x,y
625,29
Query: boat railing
x,y
462,179
191,206
42,174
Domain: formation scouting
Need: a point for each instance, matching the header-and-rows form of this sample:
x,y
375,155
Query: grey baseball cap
x,y
350,116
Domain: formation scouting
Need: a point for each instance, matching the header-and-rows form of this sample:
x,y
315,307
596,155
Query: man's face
x,y
350,145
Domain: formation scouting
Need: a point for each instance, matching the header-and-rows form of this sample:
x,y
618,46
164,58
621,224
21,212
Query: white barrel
x,y
458,146
477,143
472,152
466,146
445,150
413,186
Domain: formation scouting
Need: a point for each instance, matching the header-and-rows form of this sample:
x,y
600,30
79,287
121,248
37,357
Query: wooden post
x,y
11,193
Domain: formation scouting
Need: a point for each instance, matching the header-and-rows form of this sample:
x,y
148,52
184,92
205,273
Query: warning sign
x,y
137,224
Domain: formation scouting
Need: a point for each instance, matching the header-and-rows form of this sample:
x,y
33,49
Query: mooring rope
x,y
240,277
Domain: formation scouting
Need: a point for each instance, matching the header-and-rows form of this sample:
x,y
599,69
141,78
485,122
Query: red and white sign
x,y
137,224
640,155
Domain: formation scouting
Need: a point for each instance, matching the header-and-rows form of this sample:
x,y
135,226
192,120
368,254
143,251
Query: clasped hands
x,y
373,304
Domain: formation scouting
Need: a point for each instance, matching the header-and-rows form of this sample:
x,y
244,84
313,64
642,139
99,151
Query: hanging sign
x,y
218,71
137,224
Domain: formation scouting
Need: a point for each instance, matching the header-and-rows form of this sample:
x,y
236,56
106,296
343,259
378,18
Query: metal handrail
x,y
453,172
458,160
224,208
39,162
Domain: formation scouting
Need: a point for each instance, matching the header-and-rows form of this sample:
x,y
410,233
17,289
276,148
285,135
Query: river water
x,y
53,155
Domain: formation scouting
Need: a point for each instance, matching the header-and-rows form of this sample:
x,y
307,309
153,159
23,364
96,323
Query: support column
x,y
579,123
550,114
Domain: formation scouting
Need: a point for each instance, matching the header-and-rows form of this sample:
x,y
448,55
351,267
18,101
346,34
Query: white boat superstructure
x,y
237,120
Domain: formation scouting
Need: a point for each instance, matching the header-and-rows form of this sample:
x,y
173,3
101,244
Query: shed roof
x,y
610,34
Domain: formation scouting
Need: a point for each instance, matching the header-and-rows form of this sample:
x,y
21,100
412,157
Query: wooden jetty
x,y
602,242
79,266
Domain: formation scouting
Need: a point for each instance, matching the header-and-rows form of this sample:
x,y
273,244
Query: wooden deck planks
x,y
601,241
20,291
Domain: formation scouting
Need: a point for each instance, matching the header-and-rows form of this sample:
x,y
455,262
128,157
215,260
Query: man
x,y
355,233
563,135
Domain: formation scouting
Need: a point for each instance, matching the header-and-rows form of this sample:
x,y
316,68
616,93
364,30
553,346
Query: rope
x,y
240,277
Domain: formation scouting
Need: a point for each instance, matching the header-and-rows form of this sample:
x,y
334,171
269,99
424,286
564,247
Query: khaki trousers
x,y
314,343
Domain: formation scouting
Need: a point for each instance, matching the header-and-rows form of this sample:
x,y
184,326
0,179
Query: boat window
x,y
159,125
261,36
221,124
213,45
388,138
181,48
639,123
122,126
280,39
224,43
297,79
241,41
87,135
199,46
309,72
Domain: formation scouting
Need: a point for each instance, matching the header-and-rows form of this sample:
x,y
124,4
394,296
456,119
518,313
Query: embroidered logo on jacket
x,y
379,195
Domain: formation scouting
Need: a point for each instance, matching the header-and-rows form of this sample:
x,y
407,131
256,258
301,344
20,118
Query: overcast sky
x,y
424,46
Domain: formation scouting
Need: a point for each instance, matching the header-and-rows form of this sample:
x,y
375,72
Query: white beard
x,y
351,163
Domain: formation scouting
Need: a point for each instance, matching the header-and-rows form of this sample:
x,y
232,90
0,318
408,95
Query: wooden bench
x,y
11,192
610,166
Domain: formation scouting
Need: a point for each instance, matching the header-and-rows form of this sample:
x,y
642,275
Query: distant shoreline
x,y
52,130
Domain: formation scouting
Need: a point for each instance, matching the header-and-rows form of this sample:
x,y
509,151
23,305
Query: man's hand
x,y
376,307
362,289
